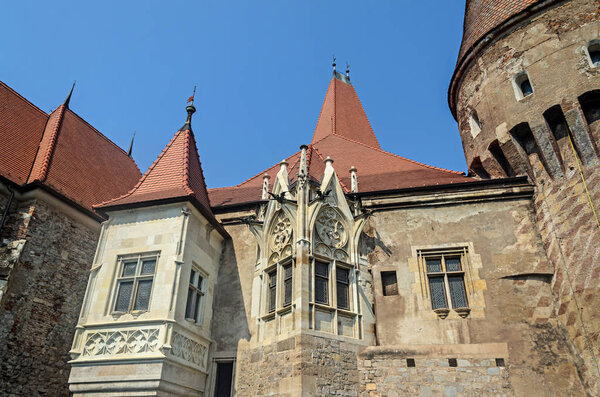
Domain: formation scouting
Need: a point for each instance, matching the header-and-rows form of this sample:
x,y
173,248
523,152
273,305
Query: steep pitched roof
x,y
75,160
21,128
176,174
351,143
342,114
60,152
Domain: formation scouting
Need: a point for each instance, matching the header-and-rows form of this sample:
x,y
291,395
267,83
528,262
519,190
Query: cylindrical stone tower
x,y
526,95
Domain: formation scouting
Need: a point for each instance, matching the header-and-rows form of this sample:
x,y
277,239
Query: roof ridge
x,y
254,176
43,173
193,138
143,178
403,158
186,163
104,137
23,98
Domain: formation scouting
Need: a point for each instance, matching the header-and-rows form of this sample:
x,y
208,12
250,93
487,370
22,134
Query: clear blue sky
x,y
261,67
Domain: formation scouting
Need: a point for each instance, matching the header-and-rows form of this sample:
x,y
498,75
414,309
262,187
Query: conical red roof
x,y
350,141
342,114
176,174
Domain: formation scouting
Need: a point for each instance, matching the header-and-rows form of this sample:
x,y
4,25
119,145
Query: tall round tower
x,y
526,96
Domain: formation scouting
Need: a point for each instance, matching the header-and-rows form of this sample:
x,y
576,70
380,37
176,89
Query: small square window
x,y
500,362
410,363
389,283
593,50
452,362
522,85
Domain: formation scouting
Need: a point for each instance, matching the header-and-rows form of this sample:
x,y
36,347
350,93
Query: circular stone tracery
x,y
330,228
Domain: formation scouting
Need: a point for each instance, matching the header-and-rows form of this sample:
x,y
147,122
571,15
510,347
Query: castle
x,y
344,269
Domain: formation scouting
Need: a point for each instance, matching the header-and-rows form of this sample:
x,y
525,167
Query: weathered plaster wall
x,y
39,310
510,297
551,48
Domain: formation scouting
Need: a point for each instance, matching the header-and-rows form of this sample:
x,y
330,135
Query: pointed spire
x,y
131,145
188,122
68,99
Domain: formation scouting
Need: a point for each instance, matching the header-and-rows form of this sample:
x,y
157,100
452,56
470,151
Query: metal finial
x,y
68,99
347,69
333,64
131,145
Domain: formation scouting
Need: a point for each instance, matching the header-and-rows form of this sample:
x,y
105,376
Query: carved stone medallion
x,y
281,232
331,229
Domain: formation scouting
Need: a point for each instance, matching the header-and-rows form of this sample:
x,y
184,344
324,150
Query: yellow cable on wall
x,y
587,192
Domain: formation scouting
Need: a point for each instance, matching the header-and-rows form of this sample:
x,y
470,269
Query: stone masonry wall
x,y
40,306
301,365
551,48
388,375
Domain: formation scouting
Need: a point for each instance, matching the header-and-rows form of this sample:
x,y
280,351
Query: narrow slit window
x,y
287,285
389,283
321,282
343,288
272,290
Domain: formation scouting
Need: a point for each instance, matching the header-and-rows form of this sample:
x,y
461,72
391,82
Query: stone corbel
x,y
442,312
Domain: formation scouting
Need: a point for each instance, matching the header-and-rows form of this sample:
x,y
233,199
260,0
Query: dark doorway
x,y
224,379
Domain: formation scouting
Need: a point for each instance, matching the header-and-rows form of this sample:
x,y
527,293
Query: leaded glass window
x,y
446,277
321,283
194,298
134,283
287,284
272,290
342,288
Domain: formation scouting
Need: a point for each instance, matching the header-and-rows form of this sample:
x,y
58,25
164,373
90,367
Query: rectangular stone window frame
x,y
338,313
389,282
281,281
459,251
195,296
124,276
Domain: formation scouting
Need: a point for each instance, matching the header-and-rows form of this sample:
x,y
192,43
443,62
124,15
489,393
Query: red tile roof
x,y
352,145
21,128
342,114
175,174
60,152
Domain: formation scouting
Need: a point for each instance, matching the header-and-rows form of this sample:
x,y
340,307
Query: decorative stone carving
x,y
322,249
281,232
341,255
188,350
108,343
330,228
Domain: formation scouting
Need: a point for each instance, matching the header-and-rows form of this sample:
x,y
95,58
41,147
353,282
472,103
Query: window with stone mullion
x,y
446,277
134,284
194,298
